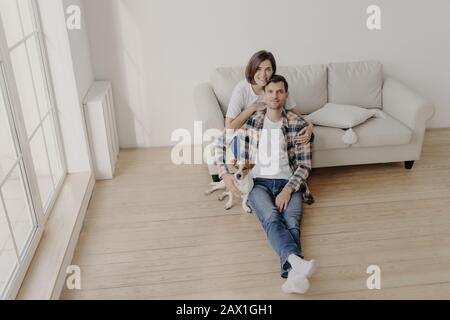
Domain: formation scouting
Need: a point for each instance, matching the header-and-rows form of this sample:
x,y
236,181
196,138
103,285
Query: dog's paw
x,y
223,196
248,210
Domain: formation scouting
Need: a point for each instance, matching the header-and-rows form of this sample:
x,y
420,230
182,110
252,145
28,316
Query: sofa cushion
x,y
356,83
328,138
340,116
307,86
378,132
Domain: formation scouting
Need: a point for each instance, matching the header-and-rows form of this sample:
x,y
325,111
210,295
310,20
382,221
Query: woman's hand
x,y
259,106
304,137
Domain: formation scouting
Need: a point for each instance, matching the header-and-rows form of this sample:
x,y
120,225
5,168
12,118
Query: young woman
x,y
248,95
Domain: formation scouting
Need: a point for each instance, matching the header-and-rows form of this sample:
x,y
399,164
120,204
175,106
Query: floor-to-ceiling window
x,y
32,167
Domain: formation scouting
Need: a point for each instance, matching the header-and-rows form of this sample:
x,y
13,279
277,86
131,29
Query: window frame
x,y
24,161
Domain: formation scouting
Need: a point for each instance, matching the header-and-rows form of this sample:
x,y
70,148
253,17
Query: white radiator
x,y
102,129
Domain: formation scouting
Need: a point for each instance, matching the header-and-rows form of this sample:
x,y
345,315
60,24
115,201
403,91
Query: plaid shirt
x,y
299,155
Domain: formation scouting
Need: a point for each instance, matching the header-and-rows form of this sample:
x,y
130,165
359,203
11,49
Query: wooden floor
x,y
152,234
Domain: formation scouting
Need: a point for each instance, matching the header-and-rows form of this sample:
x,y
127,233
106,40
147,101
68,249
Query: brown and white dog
x,y
244,184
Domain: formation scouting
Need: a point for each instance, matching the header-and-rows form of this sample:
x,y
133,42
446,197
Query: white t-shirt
x,y
272,160
243,97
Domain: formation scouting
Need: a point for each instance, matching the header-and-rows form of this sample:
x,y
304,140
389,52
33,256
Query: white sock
x,y
296,283
302,266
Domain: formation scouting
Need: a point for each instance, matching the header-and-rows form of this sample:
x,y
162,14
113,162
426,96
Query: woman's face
x,y
264,73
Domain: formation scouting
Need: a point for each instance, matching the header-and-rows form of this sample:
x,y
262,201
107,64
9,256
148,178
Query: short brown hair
x,y
254,63
277,78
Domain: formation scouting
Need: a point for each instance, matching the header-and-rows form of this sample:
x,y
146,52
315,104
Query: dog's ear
x,y
234,162
251,166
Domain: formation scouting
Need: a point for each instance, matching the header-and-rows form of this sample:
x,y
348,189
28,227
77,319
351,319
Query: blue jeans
x,y
282,229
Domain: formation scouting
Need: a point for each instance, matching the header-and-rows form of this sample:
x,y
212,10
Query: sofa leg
x,y
409,165
215,178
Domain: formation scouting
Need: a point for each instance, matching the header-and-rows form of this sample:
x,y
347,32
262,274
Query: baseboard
x,y
60,281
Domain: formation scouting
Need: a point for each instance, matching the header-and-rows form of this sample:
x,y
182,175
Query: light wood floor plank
x,y
151,233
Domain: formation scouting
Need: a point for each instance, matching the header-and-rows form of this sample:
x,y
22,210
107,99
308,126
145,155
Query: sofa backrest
x,y
356,83
223,81
307,86
313,86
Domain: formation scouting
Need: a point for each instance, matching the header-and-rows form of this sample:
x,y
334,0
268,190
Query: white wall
x,y
81,56
156,51
71,73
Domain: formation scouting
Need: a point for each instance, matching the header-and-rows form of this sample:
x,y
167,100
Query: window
x,y
32,167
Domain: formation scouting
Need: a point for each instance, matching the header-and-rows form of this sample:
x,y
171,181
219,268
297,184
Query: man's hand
x,y
231,184
282,201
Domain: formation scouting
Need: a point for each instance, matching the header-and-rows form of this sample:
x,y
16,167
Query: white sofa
x,y
396,138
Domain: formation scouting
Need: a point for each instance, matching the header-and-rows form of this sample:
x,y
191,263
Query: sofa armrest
x,y
406,105
208,108
209,112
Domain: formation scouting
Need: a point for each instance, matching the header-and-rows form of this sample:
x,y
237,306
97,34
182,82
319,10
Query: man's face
x,y
276,95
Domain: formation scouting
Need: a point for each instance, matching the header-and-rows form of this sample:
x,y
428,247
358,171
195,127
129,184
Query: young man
x,y
280,189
